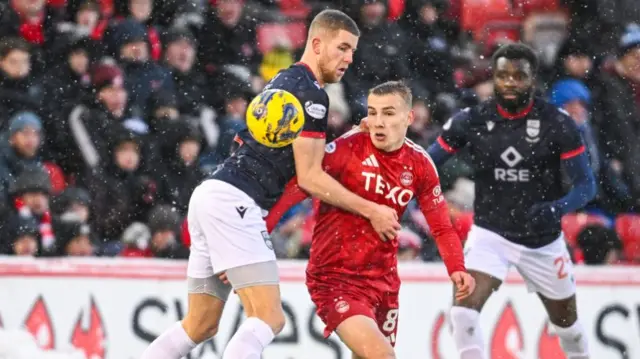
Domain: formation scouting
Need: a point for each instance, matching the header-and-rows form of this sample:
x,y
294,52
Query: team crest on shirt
x,y
533,131
406,178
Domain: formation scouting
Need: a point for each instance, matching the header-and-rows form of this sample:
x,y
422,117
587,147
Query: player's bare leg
x,y
199,324
563,315
361,334
465,315
259,292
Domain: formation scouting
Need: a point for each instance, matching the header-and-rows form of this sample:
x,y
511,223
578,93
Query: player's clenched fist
x,y
385,222
465,284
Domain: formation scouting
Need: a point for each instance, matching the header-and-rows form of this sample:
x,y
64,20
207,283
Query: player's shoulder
x,y
351,139
419,156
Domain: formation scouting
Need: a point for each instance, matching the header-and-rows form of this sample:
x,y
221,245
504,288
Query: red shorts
x,y
334,306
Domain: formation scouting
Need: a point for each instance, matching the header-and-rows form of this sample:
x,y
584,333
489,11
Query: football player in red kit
x,y
352,273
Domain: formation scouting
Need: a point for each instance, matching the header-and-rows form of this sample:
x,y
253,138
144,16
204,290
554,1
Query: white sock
x,y
573,341
249,341
174,343
466,333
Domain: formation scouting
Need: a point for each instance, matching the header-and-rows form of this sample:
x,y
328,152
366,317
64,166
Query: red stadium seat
x,y
477,13
296,9
395,9
498,32
56,176
527,7
454,11
628,229
573,223
268,35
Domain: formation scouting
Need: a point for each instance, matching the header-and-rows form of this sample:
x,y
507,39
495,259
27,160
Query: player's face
x,y
388,118
513,83
336,55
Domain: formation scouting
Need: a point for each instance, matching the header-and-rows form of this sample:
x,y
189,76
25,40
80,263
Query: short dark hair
x,y
394,88
516,51
334,20
11,43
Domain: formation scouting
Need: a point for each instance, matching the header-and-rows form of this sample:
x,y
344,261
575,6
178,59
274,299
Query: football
x,y
275,118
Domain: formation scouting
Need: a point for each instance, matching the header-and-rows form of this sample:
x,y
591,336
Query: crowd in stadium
x,y
112,111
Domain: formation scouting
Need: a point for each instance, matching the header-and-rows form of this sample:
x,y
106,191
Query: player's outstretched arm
x,y
308,153
453,137
439,154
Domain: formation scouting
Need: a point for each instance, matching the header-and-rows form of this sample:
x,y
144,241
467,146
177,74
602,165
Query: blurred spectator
x,y
20,149
69,80
232,121
82,140
29,197
73,203
164,224
121,192
575,98
128,43
381,54
20,236
429,53
409,245
180,57
575,60
179,173
33,21
228,36
600,245
73,238
18,89
85,21
134,241
618,110
141,11
339,119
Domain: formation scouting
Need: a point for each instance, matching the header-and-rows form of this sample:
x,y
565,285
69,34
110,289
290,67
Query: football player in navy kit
x,y
518,144
229,237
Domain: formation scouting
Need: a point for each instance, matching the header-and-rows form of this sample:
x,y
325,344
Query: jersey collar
x,y
514,116
308,68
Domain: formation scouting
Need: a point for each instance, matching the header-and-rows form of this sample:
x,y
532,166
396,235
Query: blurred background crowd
x,y
112,111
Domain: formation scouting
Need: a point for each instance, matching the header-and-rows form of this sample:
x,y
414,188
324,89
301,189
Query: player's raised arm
x,y
435,209
452,139
576,163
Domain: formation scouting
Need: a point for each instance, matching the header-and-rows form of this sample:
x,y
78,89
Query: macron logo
x,y
371,161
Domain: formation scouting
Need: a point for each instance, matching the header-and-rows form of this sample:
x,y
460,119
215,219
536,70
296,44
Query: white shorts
x,y
546,270
227,230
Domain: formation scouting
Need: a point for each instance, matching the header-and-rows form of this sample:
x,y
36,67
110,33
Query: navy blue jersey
x,y
517,163
262,172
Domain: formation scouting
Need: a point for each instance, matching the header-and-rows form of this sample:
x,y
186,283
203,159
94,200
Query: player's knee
x,y
200,328
463,316
276,319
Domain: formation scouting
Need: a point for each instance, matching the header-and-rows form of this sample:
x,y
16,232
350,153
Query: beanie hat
x,y
565,91
105,75
21,120
630,39
31,179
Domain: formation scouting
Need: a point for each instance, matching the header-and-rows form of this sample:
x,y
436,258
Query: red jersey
x,y
345,246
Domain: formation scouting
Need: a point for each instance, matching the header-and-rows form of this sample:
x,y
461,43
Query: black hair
x,y
516,51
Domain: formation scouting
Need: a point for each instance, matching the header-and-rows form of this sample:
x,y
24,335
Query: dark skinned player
x,y
520,146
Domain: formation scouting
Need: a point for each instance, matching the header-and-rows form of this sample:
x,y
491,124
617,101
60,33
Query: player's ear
x,y
410,117
316,45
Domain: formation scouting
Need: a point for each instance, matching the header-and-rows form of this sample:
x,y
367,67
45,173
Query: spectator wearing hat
x,y
180,57
20,237
164,224
18,90
179,173
600,245
575,98
121,192
574,60
232,121
73,203
20,149
82,141
29,194
617,110
73,238
142,11
128,44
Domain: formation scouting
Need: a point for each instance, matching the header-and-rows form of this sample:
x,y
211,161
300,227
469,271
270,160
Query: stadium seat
x,y
573,223
269,34
58,181
477,13
395,9
628,229
527,7
454,11
497,32
296,9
